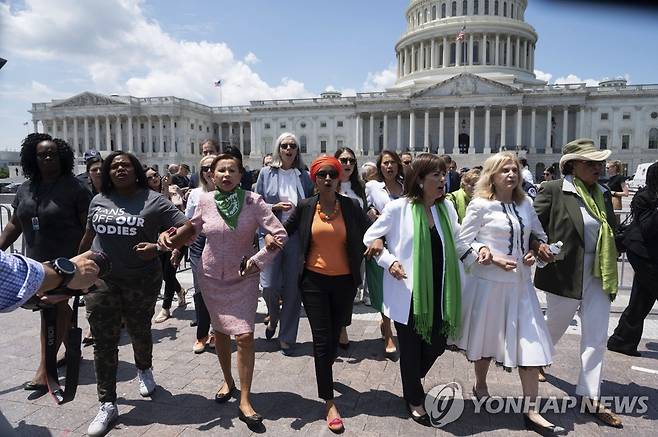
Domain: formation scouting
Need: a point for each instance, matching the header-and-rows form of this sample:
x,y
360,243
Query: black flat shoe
x,y
629,352
269,334
30,386
421,420
344,346
253,421
193,323
222,398
530,425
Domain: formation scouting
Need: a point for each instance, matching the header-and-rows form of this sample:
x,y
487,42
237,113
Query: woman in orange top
x,y
330,228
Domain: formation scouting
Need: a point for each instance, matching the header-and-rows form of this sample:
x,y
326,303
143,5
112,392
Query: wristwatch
x,y
65,268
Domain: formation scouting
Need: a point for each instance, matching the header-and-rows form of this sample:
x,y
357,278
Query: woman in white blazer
x,y
388,186
422,273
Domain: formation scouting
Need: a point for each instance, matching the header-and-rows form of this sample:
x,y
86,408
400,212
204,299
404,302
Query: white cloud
x,y
344,91
380,80
573,79
123,51
543,76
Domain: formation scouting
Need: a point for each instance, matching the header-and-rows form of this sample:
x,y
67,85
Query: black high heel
x,y
531,425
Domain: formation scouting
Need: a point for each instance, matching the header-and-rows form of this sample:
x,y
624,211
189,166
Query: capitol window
x,y
486,7
433,12
267,125
504,9
496,7
626,116
653,138
339,123
625,141
323,124
465,7
453,9
302,125
511,14
476,6
603,142
282,125
323,146
443,10
604,116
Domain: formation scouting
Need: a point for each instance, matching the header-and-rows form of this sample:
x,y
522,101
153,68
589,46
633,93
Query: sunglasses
x,y
45,155
205,168
593,164
322,174
347,160
155,176
291,146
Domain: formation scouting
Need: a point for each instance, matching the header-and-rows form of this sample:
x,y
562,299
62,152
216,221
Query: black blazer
x,y
356,224
642,236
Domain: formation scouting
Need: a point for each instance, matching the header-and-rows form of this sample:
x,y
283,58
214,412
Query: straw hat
x,y
582,149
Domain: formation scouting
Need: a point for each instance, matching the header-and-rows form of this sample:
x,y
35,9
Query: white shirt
x,y
288,181
346,190
192,202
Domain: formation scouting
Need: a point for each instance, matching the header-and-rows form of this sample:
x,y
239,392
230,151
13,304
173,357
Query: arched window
x,y
433,12
418,18
453,12
476,7
443,10
440,60
653,138
453,53
496,7
487,50
486,7
513,50
511,7
465,7
504,9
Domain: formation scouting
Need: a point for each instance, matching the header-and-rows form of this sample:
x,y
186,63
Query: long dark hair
x,y
355,178
29,156
380,176
106,181
147,168
652,179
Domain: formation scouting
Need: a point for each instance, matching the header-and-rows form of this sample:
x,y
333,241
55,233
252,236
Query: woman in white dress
x,y
501,317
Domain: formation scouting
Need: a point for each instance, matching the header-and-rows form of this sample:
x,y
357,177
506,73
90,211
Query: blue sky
x,y
267,49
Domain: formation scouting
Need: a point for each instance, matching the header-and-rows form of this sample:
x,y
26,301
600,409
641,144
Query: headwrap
x,y
324,161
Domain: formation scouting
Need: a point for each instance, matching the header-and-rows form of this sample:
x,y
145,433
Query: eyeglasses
x,y
347,160
322,174
205,168
291,146
593,163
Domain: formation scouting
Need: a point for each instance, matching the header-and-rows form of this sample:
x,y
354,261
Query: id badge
x,y
35,223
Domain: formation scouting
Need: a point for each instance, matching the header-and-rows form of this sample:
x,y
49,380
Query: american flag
x,y
217,83
461,34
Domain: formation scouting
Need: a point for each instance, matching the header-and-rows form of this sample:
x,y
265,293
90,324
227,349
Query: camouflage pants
x,y
106,307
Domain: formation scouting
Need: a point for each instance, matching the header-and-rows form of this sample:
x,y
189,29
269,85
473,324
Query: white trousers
x,y
594,312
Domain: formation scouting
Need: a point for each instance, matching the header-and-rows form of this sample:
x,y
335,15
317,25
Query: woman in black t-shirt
x,y
616,183
50,211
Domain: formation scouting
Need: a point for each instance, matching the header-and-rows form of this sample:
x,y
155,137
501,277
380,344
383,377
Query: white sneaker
x,y
164,315
146,382
107,414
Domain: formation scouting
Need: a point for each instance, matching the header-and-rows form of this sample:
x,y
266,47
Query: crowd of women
x,y
451,270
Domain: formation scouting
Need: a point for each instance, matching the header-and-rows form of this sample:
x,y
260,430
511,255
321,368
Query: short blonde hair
x,y
470,177
485,186
202,180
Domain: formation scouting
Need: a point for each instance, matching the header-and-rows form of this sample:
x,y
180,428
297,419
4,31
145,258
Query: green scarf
x,y
461,200
605,262
423,281
229,205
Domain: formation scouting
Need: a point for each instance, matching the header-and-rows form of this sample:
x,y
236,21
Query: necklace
x,y
327,218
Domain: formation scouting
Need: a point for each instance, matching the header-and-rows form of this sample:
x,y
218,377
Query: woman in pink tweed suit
x,y
229,217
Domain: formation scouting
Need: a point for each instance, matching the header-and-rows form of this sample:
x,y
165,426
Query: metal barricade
x,y
5,214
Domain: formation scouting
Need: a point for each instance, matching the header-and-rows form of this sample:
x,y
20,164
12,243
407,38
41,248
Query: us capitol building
x,y
469,97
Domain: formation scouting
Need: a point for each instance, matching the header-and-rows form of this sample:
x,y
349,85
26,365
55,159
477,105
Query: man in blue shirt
x,y
22,277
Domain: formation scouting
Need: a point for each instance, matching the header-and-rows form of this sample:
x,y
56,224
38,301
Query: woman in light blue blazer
x,y
283,185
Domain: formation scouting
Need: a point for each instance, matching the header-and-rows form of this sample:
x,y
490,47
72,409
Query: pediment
x,y
466,84
88,99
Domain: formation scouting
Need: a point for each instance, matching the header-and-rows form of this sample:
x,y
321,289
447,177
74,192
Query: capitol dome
x,y
445,38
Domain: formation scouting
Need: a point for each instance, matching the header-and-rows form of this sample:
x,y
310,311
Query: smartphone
x,y
243,266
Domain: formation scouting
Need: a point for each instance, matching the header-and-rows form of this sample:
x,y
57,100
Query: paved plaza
x,y
284,391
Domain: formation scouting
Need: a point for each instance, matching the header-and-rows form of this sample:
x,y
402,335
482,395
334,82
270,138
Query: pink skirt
x,y
231,303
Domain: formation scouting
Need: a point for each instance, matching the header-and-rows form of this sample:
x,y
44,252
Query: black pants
x,y
202,315
644,294
169,276
327,300
417,357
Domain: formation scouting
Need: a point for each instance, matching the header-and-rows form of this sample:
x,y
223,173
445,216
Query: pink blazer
x,y
225,247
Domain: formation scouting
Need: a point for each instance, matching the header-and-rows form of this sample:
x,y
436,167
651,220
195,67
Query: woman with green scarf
x,y
501,316
578,211
422,277
229,218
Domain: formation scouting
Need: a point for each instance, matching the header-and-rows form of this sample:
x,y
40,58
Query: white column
x,y
86,134
533,120
371,134
357,124
413,63
421,56
76,143
35,126
442,148
53,132
549,116
446,52
108,139
97,132
471,132
470,49
385,133
508,51
65,130
252,139
172,135
242,137
455,143
519,126
483,50
412,131
149,136
398,139
119,134
497,54
517,52
161,140
503,127
487,130
433,54
219,132
426,132
131,143
138,136
581,123
565,125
